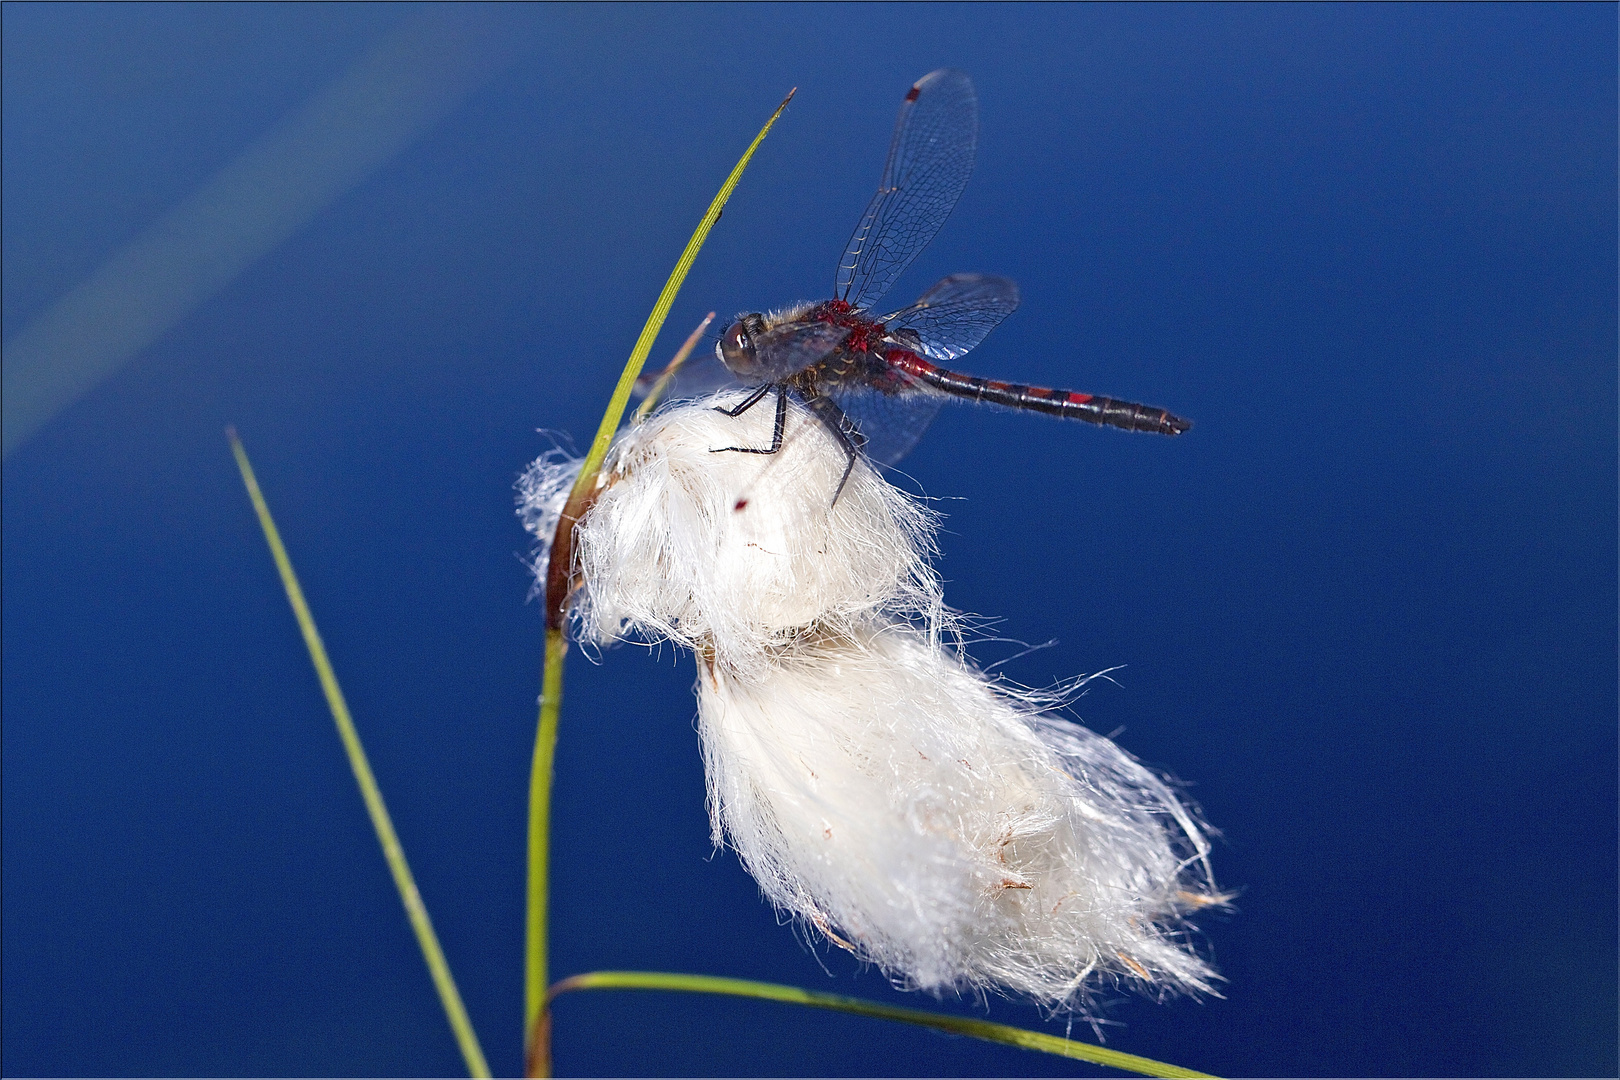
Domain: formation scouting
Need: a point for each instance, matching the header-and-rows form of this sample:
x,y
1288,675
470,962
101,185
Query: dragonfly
x,y
876,381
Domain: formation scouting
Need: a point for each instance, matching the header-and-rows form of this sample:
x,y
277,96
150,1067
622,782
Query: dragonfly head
x,y
736,348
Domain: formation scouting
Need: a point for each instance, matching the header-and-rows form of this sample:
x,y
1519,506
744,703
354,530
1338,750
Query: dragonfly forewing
x,y
930,159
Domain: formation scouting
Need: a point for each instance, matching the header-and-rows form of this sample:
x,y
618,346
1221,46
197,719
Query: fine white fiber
x,y
542,490
736,554
888,794
882,790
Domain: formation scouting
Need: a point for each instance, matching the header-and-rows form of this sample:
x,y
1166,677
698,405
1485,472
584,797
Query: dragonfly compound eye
x,y
736,350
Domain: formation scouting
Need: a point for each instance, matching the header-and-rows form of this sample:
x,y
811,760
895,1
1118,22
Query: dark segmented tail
x,y
1088,407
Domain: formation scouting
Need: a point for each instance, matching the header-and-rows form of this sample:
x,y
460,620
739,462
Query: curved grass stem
x,y
536,1020
793,995
415,909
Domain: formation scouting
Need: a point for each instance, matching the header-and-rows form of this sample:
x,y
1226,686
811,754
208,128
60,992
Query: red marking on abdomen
x,y
911,95
1076,406
908,362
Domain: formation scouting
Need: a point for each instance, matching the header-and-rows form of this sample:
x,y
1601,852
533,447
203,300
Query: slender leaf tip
x,y
393,852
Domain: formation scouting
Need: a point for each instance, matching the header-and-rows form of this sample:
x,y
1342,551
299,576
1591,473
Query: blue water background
x,y
1367,607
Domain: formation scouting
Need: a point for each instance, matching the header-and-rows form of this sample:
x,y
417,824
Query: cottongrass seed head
x,y
736,554
882,790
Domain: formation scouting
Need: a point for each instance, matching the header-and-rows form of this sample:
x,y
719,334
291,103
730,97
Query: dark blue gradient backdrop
x,y
1367,607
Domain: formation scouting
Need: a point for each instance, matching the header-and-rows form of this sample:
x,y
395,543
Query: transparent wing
x,y
956,314
930,160
698,377
786,350
892,419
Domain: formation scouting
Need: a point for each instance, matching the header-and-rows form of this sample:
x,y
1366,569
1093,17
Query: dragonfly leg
x,y
849,467
844,430
748,403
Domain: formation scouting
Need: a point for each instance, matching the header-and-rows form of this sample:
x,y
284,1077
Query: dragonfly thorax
x,y
776,346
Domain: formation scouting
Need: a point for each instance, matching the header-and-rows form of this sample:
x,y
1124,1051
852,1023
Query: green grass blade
x,y
793,995
660,311
536,1032
392,851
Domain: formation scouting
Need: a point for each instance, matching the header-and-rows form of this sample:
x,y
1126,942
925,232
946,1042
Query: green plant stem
x,y
956,1025
449,997
536,1025
537,1052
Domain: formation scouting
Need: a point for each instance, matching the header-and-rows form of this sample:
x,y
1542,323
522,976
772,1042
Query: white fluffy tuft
x,y
735,554
883,791
879,788
542,491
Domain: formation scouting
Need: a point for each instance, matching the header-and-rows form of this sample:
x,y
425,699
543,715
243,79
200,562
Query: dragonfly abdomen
x,y
1091,408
